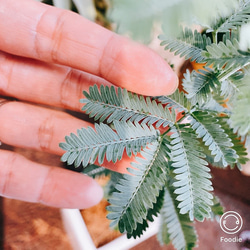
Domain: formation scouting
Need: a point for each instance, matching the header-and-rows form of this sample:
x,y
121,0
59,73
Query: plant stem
x,y
214,34
224,76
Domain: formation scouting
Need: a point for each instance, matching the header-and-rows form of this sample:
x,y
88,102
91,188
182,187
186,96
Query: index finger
x,y
54,35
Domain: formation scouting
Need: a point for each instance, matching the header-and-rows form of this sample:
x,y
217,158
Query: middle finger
x,y
44,83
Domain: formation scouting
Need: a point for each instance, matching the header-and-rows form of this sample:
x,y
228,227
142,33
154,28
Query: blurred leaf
x,y
86,8
240,116
137,18
63,4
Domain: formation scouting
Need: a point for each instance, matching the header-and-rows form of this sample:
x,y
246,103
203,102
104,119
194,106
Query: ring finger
x,y
28,126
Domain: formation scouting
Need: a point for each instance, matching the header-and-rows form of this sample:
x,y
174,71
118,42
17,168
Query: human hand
x,y
49,56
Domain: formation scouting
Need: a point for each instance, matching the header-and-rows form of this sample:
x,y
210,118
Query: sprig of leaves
x,y
109,105
88,146
236,19
137,193
175,227
172,137
189,45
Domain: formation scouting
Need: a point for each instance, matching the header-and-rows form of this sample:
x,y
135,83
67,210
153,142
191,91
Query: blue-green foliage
x,y
238,17
214,137
175,227
89,145
138,191
200,85
108,105
240,118
173,138
180,149
226,55
192,184
189,45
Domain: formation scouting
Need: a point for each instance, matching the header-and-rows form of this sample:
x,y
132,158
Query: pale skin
x,y
49,56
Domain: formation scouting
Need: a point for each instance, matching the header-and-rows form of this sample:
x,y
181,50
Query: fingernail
x,y
93,194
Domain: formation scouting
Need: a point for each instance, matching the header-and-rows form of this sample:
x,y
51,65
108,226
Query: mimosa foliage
x,y
189,45
238,17
175,227
172,138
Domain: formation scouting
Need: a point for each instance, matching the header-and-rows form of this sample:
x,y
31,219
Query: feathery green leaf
x,y
238,145
226,55
240,116
240,16
210,128
137,193
229,86
190,45
150,213
177,101
175,226
125,106
192,184
200,85
88,145
95,171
